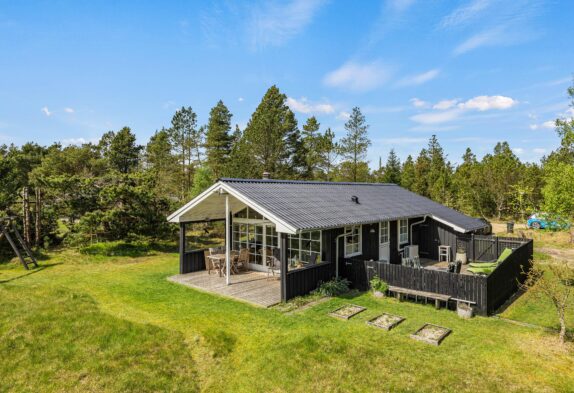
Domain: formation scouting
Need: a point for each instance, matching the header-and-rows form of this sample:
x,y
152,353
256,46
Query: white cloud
x,y
485,103
418,103
69,110
343,116
518,150
46,111
358,77
304,106
436,117
400,5
464,13
445,104
240,99
539,150
77,141
550,124
452,109
485,38
418,79
276,23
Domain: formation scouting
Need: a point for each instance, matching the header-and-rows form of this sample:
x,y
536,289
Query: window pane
x,y
316,235
316,246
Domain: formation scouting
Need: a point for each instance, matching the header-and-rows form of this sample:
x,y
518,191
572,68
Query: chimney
x,y
355,199
265,175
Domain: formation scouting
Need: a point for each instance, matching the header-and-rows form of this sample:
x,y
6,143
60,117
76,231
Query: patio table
x,y
220,258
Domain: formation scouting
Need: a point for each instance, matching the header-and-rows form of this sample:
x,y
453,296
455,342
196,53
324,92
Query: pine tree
x,y
355,144
422,169
439,181
218,141
271,139
122,152
187,141
392,171
311,141
160,162
408,173
328,153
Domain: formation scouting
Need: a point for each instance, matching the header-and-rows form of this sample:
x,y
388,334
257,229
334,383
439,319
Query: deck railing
x,y
486,293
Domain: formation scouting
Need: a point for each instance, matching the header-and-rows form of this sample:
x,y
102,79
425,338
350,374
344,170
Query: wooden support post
x,y
497,247
472,248
227,241
437,304
283,260
181,246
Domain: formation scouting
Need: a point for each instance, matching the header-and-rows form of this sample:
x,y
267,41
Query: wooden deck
x,y
251,287
441,266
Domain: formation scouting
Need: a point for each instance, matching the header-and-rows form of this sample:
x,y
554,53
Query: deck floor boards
x,y
252,287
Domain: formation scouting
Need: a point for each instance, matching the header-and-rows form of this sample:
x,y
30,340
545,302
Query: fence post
x,y
472,247
497,247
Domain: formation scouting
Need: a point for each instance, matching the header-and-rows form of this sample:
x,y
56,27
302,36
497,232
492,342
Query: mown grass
x,y
116,324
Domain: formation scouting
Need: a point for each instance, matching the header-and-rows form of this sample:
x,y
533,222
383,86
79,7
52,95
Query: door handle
x,y
348,263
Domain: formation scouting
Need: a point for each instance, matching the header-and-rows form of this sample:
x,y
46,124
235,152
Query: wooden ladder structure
x,y
19,246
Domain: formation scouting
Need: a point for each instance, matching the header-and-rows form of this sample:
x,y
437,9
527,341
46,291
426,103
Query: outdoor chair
x,y
242,259
488,267
274,264
210,263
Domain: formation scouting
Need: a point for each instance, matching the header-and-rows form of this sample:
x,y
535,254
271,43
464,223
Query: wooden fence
x,y
487,293
191,261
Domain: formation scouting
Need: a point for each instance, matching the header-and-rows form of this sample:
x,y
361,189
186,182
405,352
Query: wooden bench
x,y
437,297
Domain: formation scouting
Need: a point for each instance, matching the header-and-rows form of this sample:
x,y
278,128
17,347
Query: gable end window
x,y
353,241
403,231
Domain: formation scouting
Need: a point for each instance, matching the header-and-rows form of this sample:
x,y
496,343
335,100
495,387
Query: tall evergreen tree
x,y
160,162
123,151
270,140
186,140
218,141
439,181
354,145
328,153
408,173
311,143
392,170
422,170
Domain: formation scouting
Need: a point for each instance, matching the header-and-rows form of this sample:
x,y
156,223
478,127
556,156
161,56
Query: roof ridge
x,y
237,180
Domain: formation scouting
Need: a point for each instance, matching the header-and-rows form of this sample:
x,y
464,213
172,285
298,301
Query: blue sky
x,y
473,72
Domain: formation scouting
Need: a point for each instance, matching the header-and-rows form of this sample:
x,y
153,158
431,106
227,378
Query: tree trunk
x,y
26,208
562,335
38,221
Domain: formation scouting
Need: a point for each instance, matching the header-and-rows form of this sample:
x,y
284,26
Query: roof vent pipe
x,y
355,199
265,175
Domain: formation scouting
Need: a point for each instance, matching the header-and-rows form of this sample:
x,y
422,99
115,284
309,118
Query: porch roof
x,y
303,205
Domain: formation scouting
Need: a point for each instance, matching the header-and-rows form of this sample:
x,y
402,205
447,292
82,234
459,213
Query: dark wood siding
x,y
302,281
431,234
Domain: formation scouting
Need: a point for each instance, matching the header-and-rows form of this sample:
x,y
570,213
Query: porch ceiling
x,y
211,208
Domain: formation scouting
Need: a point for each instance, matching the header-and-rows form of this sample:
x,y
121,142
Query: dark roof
x,y
313,204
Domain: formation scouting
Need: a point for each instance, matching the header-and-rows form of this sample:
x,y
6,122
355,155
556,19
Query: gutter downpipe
x,y
411,230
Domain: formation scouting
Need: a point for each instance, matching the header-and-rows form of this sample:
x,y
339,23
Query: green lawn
x,y
91,323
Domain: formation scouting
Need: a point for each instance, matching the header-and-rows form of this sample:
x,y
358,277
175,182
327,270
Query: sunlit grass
x,y
116,324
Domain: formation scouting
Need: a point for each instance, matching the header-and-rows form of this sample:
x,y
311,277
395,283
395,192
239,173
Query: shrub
x,y
379,285
334,287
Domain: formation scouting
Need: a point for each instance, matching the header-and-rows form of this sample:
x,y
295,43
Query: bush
x,y
336,286
379,285
136,248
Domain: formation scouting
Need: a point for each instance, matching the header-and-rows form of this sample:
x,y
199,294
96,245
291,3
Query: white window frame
x,y
300,249
351,227
406,233
386,224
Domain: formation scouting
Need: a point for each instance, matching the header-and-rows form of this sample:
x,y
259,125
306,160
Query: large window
x,y
384,232
403,231
352,240
304,249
